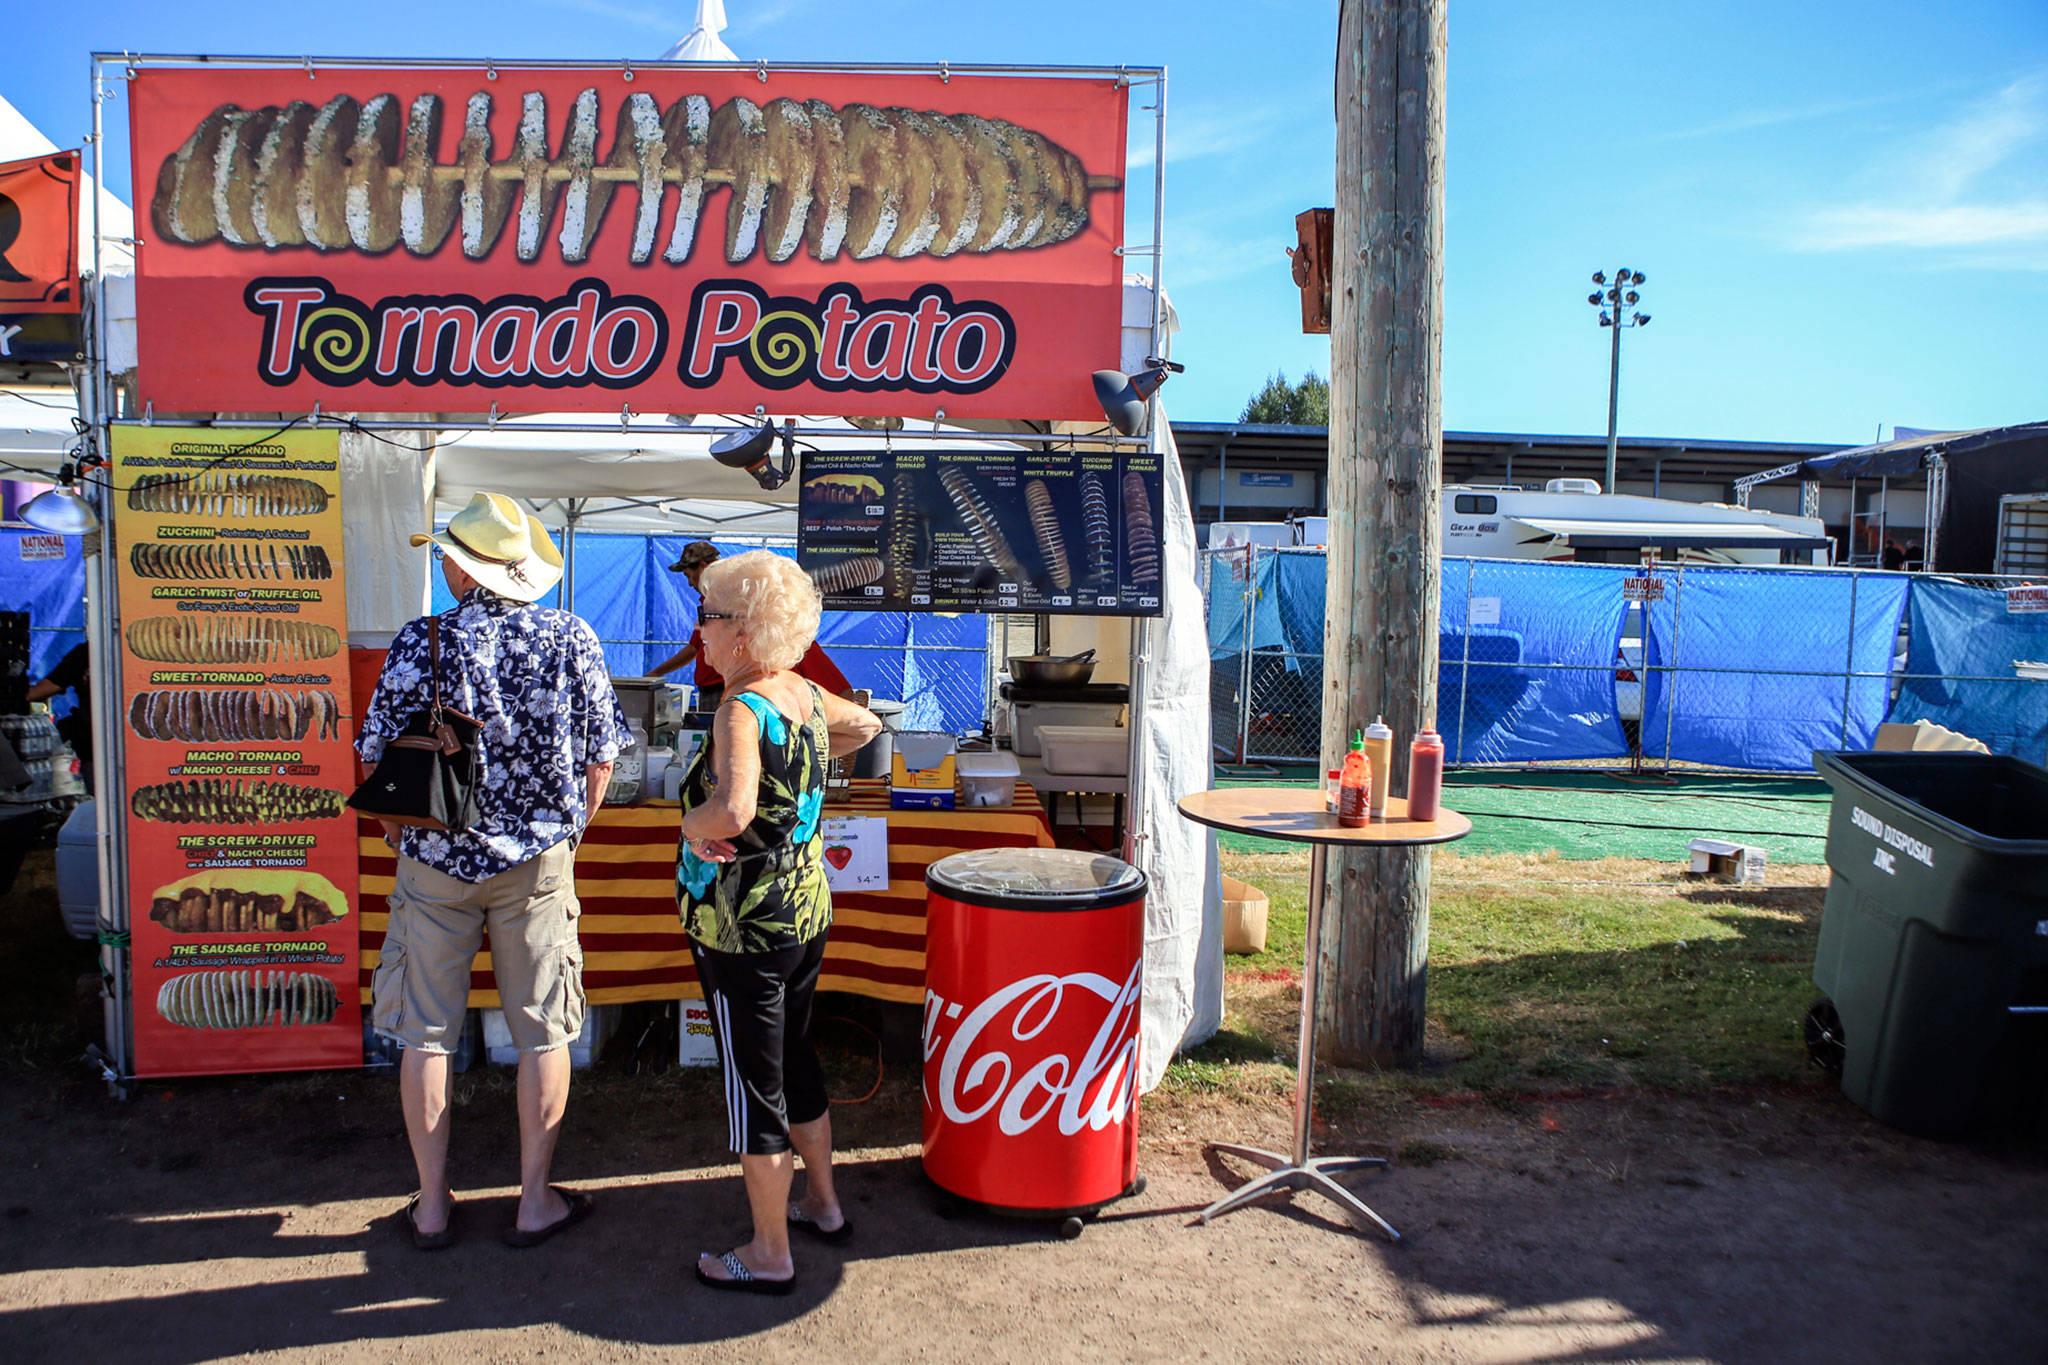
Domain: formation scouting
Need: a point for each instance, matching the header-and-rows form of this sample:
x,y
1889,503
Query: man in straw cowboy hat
x,y
535,679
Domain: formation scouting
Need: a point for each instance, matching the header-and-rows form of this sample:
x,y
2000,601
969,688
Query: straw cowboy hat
x,y
496,542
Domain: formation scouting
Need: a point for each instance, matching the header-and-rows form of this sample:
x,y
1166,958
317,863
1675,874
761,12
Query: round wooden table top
x,y
1298,814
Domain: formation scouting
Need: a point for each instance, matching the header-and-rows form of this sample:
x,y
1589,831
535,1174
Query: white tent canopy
x,y
702,43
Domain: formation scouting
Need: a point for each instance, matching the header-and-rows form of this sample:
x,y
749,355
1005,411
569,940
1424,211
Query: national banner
x,y
585,240
234,679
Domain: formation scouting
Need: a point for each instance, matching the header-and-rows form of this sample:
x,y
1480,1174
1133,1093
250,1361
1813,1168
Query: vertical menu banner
x,y
1058,531
234,679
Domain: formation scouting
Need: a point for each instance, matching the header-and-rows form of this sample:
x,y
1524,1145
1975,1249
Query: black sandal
x,y
427,1241
743,1281
804,1223
580,1205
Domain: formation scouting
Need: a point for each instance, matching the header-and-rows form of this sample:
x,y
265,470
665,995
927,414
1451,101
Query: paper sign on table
x,y
856,852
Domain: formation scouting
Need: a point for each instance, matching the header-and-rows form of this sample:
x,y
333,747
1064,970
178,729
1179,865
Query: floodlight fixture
x,y
1125,398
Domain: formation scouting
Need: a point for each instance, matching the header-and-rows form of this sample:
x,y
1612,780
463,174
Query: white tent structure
x,y
702,43
655,475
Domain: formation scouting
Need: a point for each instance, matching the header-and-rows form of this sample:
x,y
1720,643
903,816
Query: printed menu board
x,y
1056,531
234,679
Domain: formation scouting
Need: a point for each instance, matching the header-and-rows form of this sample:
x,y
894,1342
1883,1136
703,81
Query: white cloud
x,y
1910,225
1198,135
1749,120
758,17
1970,190
1196,258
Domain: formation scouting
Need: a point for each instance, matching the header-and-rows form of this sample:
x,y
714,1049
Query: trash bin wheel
x,y
1824,1037
1071,1228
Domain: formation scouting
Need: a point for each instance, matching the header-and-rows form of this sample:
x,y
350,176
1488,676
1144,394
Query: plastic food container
x,y
1086,750
1033,716
987,779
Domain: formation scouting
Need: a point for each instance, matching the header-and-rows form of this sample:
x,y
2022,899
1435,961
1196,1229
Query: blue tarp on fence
x,y
1959,668
1769,666
52,592
1538,682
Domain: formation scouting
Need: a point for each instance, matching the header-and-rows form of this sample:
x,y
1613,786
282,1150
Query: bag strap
x,y
434,673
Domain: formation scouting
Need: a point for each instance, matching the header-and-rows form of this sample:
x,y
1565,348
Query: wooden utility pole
x,y
1386,472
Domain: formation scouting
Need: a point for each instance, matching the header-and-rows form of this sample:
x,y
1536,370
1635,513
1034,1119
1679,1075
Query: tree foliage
x,y
1306,404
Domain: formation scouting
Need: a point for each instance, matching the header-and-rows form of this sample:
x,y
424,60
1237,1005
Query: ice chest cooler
x,y
1033,959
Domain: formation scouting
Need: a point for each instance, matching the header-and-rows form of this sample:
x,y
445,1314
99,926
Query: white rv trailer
x,y
1571,519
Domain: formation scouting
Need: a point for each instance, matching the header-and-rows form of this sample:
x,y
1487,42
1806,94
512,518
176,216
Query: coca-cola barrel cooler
x,y
1032,965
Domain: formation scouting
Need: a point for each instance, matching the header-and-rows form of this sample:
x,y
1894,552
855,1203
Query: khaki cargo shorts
x,y
421,986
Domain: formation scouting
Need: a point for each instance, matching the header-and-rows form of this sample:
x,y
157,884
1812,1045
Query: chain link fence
x,y
1745,667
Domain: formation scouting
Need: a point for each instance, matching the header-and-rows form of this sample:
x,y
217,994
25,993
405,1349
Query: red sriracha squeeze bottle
x,y
1354,786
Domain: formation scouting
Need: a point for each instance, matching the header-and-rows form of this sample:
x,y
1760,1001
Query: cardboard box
x,y
1726,861
1244,917
599,1022
923,771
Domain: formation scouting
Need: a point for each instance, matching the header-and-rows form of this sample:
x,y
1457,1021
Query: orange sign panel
x,y
39,234
235,704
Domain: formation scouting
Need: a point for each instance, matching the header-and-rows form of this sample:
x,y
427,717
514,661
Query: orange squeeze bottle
x,y
1426,775
1354,786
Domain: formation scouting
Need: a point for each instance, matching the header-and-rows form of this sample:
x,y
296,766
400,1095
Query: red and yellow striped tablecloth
x,y
633,942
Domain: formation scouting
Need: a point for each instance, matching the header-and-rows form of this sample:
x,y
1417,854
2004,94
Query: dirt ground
x,y
213,1219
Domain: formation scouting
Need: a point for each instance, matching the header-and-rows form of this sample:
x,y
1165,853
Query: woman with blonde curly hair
x,y
750,881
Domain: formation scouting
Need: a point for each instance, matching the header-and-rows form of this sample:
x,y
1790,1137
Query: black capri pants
x,y
760,1007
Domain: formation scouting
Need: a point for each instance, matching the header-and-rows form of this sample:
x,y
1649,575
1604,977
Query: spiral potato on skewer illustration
x,y
1098,531
193,715
982,526
189,559
246,998
846,575
903,537
869,181
211,639
1045,524
1140,537
214,494
226,801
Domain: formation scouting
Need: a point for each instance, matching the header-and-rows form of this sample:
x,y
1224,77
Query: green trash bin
x,y
1934,940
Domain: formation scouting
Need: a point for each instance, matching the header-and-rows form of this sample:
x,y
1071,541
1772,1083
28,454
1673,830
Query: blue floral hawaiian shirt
x,y
535,678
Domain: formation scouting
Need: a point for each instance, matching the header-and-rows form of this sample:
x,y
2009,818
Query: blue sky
x,y
1842,208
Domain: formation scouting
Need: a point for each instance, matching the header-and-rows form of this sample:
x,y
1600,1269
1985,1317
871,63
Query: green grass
x,y
1537,988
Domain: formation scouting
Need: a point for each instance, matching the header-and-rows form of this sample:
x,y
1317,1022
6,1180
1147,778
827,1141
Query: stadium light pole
x,y
1611,299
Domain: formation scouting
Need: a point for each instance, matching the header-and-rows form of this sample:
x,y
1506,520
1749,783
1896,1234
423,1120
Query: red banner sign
x,y
241,859
450,240
39,236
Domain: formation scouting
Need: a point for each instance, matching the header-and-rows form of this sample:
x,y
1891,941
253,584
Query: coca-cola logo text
x,y
977,1074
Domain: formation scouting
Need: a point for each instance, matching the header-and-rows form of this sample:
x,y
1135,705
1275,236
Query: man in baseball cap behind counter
x,y
815,665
